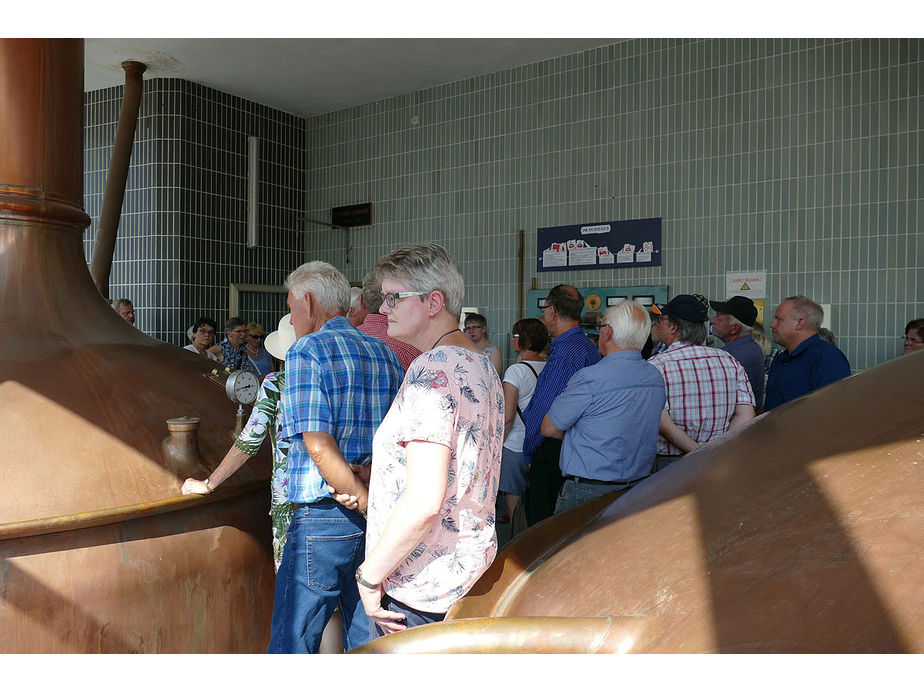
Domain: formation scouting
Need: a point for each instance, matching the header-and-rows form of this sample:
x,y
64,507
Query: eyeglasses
x,y
391,298
911,340
206,332
474,327
255,336
238,331
601,325
515,336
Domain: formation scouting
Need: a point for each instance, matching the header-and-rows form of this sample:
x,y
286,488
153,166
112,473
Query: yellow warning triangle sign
x,y
745,287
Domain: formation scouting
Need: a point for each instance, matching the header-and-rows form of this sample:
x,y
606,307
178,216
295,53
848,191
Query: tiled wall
x,y
798,157
182,234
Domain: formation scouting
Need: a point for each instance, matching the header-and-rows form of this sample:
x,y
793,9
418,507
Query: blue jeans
x,y
325,544
574,493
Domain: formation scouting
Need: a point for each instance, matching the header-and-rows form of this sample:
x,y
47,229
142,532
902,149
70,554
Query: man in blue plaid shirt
x,y
340,383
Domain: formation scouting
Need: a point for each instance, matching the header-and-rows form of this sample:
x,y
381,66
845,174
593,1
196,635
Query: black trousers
x,y
543,482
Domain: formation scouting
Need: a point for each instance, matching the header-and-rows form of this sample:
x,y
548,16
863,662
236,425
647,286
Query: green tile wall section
x,y
182,233
800,157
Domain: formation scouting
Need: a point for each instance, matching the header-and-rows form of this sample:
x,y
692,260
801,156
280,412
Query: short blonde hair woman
x,y
436,455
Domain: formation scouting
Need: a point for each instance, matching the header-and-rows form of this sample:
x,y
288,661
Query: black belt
x,y
325,501
597,482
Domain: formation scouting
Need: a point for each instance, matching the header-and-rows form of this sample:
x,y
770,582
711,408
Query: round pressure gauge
x,y
242,387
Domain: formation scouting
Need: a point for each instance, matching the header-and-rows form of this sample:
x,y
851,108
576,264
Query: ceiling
x,y
318,75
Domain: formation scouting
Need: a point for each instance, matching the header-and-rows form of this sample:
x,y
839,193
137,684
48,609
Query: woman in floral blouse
x,y
436,455
265,418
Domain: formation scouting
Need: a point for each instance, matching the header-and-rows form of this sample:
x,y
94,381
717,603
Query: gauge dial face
x,y
242,387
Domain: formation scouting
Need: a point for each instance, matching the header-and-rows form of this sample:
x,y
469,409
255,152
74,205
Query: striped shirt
x,y
570,352
341,382
704,385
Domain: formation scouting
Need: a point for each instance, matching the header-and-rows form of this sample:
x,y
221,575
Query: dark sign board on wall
x,y
600,245
352,215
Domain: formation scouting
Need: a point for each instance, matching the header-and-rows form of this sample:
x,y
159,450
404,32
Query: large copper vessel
x,y
98,550
803,532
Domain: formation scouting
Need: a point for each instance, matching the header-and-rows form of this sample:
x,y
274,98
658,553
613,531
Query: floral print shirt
x,y
454,397
266,418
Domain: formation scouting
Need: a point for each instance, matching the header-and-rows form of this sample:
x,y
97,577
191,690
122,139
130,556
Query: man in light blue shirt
x,y
609,413
340,383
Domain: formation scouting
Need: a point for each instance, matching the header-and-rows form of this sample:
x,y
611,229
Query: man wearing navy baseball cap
x,y
708,391
734,319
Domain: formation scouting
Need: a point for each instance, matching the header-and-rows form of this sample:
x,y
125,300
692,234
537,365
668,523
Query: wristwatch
x,y
365,583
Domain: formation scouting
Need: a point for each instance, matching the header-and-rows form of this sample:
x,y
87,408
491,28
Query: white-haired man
x,y
340,383
357,312
609,413
809,362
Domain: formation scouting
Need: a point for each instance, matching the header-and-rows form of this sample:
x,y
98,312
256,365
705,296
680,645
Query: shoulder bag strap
x,y
520,413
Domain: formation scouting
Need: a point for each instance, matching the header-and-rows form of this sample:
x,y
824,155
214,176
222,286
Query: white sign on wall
x,y
752,284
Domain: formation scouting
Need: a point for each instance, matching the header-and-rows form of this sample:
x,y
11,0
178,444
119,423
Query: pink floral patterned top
x,y
454,397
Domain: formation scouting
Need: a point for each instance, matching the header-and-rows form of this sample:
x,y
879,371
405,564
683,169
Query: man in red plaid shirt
x,y
708,391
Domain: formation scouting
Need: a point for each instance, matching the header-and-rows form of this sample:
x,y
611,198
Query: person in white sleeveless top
x,y
530,338
476,329
202,334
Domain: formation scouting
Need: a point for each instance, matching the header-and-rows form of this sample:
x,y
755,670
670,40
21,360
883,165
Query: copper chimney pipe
x,y
101,264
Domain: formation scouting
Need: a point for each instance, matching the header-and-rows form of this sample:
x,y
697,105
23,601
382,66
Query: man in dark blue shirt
x,y
809,362
571,351
734,319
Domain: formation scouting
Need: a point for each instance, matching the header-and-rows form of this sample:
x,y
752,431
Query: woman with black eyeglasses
x,y
914,336
436,455
260,360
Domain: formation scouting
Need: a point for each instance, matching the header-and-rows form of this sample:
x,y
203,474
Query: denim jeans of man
x,y
574,493
324,546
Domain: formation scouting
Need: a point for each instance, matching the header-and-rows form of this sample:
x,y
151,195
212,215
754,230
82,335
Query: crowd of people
x,y
394,427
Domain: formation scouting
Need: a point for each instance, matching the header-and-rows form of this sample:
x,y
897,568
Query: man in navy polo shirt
x,y
809,362
734,319
571,350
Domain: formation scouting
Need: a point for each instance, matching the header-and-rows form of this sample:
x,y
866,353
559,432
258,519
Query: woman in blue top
x,y
260,360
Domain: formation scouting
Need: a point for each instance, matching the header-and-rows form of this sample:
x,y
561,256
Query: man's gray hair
x,y
630,324
323,281
806,308
688,332
372,291
355,293
745,329
425,267
119,302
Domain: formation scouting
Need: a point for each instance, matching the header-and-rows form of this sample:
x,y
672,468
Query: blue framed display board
x,y
597,299
600,245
